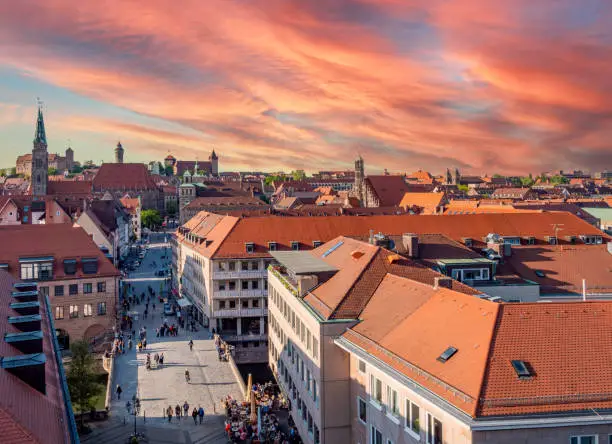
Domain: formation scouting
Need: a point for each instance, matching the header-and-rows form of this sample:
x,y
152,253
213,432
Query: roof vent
x,y
26,323
442,282
29,368
26,342
521,369
448,353
26,308
393,258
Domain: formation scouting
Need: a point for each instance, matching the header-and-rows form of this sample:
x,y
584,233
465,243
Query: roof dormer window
x,y
272,246
295,245
70,266
250,247
316,243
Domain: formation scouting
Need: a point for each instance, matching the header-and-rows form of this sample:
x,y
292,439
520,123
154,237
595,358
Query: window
x,y
101,287
25,218
74,311
531,240
87,310
59,312
308,380
272,246
87,288
585,439
434,430
250,247
376,389
36,271
90,265
221,305
254,265
315,393
221,286
245,266
254,285
309,423
44,291
245,285
59,290
73,289
512,240
221,266
232,266
362,410
362,366
392,404
232,304
101,308
412,417
232,285
552,240
315,348
376,436
295,245
70,266
255,303
245,303
316,244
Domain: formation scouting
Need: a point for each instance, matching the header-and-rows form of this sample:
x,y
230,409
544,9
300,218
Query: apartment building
x,y
420,358
220,261
314,297
70,269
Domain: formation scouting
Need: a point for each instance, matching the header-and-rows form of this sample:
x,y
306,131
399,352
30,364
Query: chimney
x,y
442,282
411,244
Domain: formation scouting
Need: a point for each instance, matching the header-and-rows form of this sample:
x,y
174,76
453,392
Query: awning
x,y
184,303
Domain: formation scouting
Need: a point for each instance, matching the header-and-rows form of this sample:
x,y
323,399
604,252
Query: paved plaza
x,y
211,379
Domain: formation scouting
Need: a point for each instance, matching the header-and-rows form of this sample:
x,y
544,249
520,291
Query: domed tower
x,y
119,153
40,159
214,163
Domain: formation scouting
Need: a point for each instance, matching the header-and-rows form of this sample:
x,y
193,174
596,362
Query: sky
x,y
485,86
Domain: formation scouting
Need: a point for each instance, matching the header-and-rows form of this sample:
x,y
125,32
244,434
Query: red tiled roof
x,y
123,176
27,415
69,187
429,202
233,201
389,189
62,241
183,165
283,230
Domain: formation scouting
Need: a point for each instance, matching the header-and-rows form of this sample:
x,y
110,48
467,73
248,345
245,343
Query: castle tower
x,y
359,176
69,159
214,163
40,159
119,153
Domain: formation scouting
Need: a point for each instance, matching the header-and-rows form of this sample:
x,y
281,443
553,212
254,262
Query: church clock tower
x,y
40,160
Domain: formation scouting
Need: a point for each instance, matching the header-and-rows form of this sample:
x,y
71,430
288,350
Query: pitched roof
x,y
69,187
123,176
389,189
563,267
229,201
61,241
429,202
189,165
283,230
27,415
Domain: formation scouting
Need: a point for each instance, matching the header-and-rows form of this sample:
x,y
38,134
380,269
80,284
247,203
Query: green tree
x,y
151,219
77,169
298,175
13,172
169,171
527,181
273,178
51,171
81,378
171,208
463,188
2,173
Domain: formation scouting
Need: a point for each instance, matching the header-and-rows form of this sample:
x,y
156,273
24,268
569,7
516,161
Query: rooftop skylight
x,y
448,353
521,369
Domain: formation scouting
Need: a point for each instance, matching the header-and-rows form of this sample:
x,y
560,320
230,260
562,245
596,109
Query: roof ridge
x,y
236,220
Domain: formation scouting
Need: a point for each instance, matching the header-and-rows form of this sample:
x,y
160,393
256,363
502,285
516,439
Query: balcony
x,y
233,336
239,274
241,312
232,294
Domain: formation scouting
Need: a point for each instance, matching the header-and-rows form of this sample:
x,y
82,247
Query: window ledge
x,y
376,404
413,434
393,418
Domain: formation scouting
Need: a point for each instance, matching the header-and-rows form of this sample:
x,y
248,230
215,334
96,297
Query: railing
x,y
243,337
240,312
239,274
285,280
228,294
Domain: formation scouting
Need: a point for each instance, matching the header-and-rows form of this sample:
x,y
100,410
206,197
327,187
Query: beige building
x,y
407,355
81,283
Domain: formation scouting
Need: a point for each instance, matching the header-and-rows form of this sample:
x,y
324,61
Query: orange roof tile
x,y
123,176
429,202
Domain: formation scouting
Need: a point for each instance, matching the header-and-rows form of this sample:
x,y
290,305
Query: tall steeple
x,y
40,159
214,163
119,153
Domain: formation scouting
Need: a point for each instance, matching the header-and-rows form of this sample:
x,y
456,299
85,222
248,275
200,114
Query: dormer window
x,y
468,242
295,245
272,246
90,265
250,247
36,268
70,266
552,240
316,243
531,240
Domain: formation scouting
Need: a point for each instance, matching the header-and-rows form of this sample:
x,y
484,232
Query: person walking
x,y
177,412
169,412
186,408
201,414
119,390
194,415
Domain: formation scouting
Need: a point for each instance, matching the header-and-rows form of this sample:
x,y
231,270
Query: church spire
x,y
40,136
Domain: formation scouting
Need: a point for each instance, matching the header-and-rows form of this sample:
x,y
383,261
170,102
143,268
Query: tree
x,y
77,169
81,377
169,171
463,188
171,208
2,173
273,178
527,181
298,175
151,219
51,171
13,172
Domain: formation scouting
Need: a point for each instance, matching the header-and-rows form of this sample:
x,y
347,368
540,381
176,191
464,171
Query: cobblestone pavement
x,y
211,380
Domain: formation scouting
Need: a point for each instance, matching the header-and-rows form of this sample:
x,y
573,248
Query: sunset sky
x,y
511,86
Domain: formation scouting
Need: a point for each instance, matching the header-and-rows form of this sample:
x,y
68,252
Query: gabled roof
x,y
69,187
429,202
123,176
389,189
229,201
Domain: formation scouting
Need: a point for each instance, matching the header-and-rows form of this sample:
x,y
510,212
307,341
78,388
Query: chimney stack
x,y
442,282
411,244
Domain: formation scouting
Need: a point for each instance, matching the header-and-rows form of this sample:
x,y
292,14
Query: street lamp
x,y
135,410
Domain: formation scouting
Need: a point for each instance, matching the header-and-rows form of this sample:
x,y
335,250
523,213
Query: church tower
x,y
40,159
119,153
359,176
214,163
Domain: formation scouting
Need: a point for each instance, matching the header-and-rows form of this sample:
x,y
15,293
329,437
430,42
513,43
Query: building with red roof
x,y
34,403
128,178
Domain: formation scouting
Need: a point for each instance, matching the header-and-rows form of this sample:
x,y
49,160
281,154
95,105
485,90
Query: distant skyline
x,y
488,87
